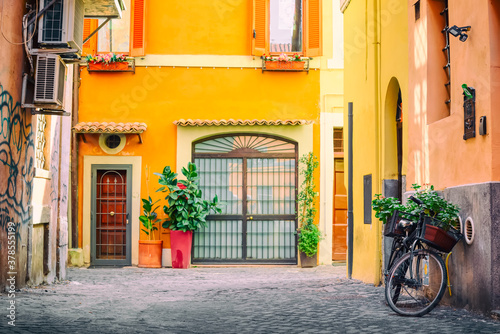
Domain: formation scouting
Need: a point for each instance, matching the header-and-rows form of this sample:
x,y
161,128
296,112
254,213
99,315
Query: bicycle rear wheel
x,y
416,284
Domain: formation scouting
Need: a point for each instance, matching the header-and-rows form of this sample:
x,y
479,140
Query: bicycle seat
x,y
406,225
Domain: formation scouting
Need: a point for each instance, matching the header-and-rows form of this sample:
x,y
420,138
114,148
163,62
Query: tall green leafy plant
x,y
309,234
185,207
149,216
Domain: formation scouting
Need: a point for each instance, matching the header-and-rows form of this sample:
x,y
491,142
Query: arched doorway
x,y
256,177
392,136
399,143
393,180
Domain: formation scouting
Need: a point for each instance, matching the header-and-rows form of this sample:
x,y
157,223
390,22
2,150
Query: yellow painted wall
x,y
376,54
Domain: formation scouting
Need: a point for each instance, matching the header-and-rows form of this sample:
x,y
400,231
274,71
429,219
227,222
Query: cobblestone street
x,y
222,300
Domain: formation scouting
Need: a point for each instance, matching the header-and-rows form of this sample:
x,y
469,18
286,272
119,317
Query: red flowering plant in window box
x,y
107,62
284,62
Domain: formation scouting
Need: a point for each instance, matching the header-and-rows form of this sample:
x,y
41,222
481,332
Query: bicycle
x,y
416,275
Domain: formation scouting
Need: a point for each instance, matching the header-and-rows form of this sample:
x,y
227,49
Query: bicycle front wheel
x,y
419,280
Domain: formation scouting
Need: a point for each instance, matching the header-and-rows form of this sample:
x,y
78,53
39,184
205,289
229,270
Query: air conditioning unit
x,y
62,24
49,82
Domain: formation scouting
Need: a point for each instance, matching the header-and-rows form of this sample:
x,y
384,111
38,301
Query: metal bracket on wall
x,y
49,112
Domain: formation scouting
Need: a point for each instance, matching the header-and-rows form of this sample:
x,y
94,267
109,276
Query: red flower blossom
x,y
181,186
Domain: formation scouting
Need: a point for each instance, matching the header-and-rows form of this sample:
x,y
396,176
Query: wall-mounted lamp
x,y
459,32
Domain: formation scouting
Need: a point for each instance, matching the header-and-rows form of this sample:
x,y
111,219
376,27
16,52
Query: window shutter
x,y
260,27
137,28
89,25
313,28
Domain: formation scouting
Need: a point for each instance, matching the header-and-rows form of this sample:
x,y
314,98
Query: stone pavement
x,y
221,300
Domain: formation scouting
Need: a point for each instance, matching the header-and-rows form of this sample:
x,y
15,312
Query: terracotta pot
x,y
181,243
308,262
118,66
150,253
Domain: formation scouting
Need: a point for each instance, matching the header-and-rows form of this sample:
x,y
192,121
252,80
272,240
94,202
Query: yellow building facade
x,y
198,81
376,82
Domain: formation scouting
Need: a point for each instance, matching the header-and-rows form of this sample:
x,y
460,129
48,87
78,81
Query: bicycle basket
x,y
391,228
438,238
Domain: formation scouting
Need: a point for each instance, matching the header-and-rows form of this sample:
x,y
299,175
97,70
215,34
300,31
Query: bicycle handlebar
x,y
416,200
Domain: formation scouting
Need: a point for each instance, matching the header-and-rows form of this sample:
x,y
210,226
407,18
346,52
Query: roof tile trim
x,y
111,127
224,122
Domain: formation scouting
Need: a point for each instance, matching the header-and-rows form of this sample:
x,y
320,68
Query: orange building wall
x,y
495,84
159,96
437,151
199,27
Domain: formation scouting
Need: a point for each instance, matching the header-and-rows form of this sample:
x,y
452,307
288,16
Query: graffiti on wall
x,y
16,161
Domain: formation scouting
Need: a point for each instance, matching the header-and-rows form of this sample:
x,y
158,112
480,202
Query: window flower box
x,y
119,66
284,65
284,62
110,63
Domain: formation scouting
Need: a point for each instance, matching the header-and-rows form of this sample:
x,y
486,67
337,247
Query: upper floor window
x,y
115,35
124,36
287,26
285,29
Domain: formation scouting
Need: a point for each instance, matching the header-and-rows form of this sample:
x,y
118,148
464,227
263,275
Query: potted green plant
x,y
186,211
308,233
444,213
441,228
150,251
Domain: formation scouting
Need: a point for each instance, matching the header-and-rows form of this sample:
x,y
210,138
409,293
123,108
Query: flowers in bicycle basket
x,y
445,213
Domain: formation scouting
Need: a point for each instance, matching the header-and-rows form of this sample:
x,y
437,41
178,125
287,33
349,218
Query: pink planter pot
x,y
181,243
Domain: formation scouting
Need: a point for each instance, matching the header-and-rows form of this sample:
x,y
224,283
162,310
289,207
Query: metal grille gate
x,y
255,177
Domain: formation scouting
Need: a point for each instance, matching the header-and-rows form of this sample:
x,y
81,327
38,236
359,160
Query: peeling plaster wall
x,y
33,199
16,148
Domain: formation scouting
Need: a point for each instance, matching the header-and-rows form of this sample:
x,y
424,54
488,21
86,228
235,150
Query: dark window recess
x,y
446,50
470,114
338,140
46,245
367,198
417,10
113,141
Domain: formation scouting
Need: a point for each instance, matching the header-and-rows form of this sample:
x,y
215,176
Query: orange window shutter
x,y
260,27
313,28
90,47
137,28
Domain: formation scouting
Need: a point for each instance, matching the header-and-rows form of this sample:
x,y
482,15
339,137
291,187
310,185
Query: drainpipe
x,y
378,122
73,238
350,215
